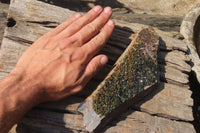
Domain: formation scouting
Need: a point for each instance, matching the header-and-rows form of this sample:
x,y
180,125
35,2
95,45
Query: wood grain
x,y
168,109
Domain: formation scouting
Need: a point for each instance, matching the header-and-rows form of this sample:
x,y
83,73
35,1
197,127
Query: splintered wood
x,y
134,76
167,109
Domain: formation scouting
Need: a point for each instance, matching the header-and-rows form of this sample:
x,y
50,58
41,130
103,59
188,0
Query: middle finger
x,y
91,29
77,25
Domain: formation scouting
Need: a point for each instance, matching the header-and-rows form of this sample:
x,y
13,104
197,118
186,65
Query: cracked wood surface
x,y
167,109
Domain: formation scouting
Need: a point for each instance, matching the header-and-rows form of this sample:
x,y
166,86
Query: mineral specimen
x,y
134,75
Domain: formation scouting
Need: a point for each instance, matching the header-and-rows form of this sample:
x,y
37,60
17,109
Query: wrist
x,y
17,96
21,92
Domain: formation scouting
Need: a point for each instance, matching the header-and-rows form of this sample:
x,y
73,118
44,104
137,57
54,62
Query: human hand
x,y
62,61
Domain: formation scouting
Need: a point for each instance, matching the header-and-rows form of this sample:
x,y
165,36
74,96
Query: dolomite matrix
x,y
134,76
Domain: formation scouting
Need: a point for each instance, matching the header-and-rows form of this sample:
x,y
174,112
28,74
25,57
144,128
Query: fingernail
x,y
107,10
104,60
97,8
110,23
78,15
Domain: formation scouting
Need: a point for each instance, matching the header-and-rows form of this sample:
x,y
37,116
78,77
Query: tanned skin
x,y
57,65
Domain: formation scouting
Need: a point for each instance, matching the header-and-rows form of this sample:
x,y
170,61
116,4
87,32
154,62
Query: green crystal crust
x,y
134,70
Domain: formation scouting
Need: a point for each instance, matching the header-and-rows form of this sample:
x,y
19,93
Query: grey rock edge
x,y
94,122
187,30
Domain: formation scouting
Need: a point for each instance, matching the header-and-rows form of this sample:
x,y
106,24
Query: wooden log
x,y
34,18
67,105
191,31
168,107
172,44
139,122
44,119
131,121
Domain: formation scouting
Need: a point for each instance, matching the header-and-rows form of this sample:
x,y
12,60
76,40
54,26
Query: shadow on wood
x,y
115,46
195,88
84,6
5,1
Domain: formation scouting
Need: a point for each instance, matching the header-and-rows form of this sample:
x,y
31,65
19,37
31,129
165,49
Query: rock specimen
x,y
134,76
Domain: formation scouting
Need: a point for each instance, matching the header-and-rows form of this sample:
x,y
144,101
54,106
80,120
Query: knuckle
x,y
79,39
65,43
69,58
104,17
92,44
47,42
100,39
79,55
92,28
95,68
45,39
92,13
78,24
78,89
75,56
68,42
97,42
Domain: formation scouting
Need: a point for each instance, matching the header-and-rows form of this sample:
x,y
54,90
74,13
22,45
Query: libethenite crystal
x,y
135,70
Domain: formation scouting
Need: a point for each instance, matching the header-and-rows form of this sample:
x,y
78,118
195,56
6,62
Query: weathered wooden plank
x,y
131,121
175,93
10,54
168,100
176,57
172,44
3,75
139,122
186,68
174,76
48,118
24,128
66,105
34,18
169,43
167,109
37,11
